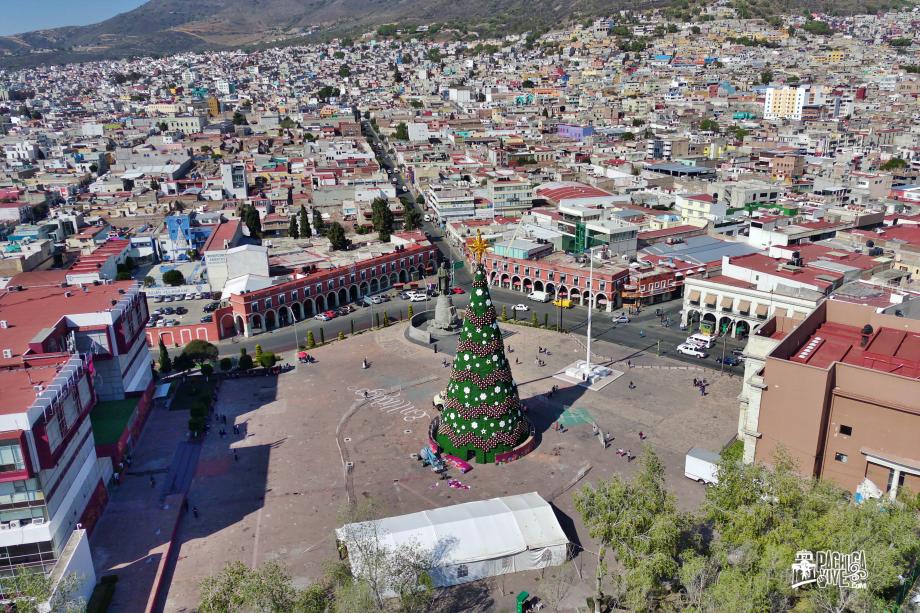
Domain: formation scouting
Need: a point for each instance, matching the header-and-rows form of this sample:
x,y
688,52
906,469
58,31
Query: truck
x,y
538,296
702,465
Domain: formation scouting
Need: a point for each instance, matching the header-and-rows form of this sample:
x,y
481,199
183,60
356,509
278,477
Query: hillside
x,y
170,26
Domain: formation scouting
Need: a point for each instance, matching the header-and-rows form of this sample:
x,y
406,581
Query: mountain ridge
x,y
160,27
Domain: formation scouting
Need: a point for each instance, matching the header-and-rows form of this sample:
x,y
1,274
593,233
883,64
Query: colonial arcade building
x,y
262,304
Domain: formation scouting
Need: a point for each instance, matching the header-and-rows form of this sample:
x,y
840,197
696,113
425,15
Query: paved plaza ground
x,y
278,496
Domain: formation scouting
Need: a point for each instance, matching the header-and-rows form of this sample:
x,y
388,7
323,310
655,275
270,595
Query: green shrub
x,y
341,336
245,362
267,359
311,342
226,364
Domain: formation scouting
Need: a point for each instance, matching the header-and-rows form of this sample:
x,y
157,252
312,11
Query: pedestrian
x,y
236,458
185,504
435,347
365,394
117,477
153,482
641,435
224,417
702,390
696,382
364,363
236,429
632,385
195,512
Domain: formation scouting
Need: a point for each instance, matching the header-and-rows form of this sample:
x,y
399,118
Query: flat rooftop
x,y
887,350
19,385
42,302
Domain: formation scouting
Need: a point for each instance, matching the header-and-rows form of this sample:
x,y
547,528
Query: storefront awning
x,y
710,300
695,296
727,302
744,306
761,310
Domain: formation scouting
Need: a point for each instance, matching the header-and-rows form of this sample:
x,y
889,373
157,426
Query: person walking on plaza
x,y
153,482
195,512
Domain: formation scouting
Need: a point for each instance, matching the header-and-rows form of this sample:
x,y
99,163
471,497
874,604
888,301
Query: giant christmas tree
x,y
482,412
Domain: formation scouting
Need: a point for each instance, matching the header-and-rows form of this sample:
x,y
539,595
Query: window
x,y
11,457
846,430
462,571
294,296
268,303
841,457
281,298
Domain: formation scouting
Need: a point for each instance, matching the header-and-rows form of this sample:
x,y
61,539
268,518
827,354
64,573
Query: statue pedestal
x,y
445,314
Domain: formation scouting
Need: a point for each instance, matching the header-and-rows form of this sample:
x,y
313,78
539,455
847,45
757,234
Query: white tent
x,y
473,540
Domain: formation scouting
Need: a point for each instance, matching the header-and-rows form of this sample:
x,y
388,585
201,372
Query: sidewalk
x,y
133,536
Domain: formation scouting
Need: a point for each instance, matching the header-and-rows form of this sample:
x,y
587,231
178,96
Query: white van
x,y
702,465
701,340
538,296
427,217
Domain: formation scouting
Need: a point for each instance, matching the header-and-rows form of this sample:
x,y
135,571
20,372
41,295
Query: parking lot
x,y
175,312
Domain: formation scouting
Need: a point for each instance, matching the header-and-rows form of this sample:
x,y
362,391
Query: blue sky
x,y
23,16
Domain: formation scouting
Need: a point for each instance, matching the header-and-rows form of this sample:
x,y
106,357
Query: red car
x,y
457,290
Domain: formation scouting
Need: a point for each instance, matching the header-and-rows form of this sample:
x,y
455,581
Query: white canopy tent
x,y
472,540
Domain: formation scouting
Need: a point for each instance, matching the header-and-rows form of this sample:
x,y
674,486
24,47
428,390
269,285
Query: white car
x,y
621,319
419,297
691,350
520,307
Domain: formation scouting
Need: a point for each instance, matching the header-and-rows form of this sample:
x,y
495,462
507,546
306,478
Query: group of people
x,y
700,384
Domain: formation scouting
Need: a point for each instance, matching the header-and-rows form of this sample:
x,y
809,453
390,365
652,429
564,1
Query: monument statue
x,y
443,278
445,313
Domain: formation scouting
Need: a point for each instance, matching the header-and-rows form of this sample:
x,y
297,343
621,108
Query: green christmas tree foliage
x,y
482,412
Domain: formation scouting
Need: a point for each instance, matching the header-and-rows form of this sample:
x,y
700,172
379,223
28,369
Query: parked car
x,y
168,299
729,360
564,303
342,310
169,311
403,295
520,307
328,315
539,296
691,350
207,318
369,300
158,299
418,297
181,310
622,318
197,296
457,290
161,323
156,313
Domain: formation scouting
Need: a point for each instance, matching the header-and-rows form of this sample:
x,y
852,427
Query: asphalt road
x,y
644,332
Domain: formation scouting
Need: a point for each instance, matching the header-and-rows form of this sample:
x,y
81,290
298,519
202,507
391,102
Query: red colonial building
x,y
295,297
560,275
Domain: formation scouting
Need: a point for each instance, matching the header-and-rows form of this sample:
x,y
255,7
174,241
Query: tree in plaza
x,y
763,517
165,362
482,413
311,342
412,218
382,218
293,230
245,361
28,590
402,131
638,521
258,352
200,351
318,224
305,230
336,236
173,277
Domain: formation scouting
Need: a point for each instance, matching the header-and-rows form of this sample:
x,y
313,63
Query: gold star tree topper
x,y
479,247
